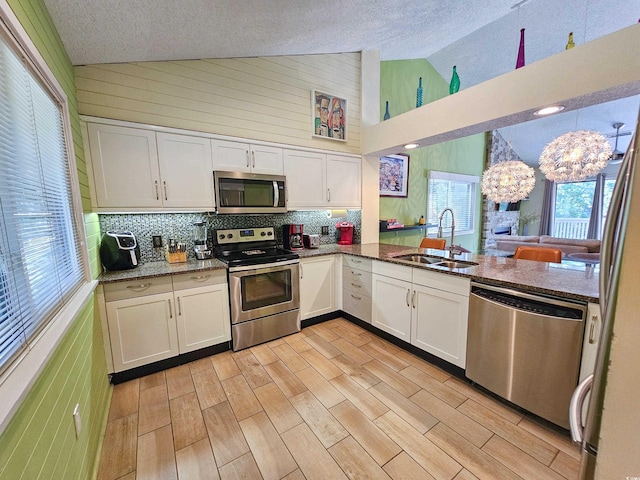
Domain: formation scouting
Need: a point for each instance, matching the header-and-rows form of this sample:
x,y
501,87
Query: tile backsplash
x,y
179,226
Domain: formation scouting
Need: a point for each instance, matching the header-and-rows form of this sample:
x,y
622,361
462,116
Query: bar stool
x,y
438,243
540,254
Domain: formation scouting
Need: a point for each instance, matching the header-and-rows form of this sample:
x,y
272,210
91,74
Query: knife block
x,y
175,257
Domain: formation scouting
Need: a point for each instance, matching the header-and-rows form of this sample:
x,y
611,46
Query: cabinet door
x,y
391,308
316,286
125,166
202,317
142,330
267,160
305,172
231,156
186,171
439,323
343,181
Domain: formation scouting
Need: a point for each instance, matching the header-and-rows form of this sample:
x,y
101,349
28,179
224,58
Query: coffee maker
x,y
200,241
292,236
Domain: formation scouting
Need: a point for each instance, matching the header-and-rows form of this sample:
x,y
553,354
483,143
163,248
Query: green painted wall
x,y
398,85
40,441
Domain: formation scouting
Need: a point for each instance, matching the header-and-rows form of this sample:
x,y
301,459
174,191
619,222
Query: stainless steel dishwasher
x,y
525,348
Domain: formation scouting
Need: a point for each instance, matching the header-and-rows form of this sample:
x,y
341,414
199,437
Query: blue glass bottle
x,y
386,112
454,85
419,94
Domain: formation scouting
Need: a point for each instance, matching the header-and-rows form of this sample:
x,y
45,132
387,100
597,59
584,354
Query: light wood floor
x,y
331,402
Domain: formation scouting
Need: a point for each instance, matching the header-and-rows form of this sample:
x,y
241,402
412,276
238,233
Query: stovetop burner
x,y
253,246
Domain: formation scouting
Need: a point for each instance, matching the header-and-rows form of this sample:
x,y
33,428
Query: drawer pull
x,y
354,285
356,274
356,297
142,285
201,277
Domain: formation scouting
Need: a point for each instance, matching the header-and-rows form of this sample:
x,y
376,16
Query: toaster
x,y
311,241
119,251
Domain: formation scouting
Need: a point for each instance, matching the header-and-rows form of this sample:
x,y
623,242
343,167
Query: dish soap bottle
x,y
422,220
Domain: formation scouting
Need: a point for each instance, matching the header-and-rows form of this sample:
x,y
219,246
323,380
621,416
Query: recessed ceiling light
x,y
549,110
410,146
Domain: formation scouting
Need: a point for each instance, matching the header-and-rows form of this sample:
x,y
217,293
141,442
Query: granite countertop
x,y
573,280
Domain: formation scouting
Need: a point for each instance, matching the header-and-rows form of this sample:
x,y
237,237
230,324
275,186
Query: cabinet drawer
x,y
137,288
183,281
357,305
399,272
442,281
357,262
357,281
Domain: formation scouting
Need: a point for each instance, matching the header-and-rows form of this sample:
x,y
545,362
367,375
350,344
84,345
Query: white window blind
x,y
40,259
455,191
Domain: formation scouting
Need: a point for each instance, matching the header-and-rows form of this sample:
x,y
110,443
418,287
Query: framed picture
x,y
329,114
394,175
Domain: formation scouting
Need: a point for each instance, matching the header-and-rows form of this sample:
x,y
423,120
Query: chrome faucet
x,y
452,248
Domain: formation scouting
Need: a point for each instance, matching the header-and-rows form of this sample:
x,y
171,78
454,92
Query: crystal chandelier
x,y
575,156
508,181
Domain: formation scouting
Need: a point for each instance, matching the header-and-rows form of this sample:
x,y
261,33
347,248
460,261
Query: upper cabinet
x,y
245,157
317,180
136,168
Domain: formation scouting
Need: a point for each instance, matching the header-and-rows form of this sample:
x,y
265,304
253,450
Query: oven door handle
x,y
262,266
276,193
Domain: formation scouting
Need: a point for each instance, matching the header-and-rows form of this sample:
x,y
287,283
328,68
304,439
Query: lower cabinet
x,y
317,286
356,287
159,318
424,308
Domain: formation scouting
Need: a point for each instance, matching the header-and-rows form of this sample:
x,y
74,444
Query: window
x,y
40,256
573,205
455,191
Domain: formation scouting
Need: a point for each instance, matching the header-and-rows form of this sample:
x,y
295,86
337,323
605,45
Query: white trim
x,y
17,381
454,177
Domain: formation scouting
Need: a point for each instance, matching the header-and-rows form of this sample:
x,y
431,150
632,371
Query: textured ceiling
x,y
480,37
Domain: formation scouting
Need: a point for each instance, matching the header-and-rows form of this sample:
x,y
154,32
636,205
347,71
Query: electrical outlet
x,y
157,241
77,421
325,229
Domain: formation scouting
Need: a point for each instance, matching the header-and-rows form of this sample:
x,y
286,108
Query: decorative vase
x,y
419,94
570,43
386,112
520,60
454,85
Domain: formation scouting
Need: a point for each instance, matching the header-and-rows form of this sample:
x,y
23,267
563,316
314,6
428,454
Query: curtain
x,y
548,207
595,219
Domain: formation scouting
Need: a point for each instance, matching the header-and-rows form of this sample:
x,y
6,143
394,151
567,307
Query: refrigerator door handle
x,y
576,406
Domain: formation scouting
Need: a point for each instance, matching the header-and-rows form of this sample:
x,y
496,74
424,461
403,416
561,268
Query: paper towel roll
x,y
336,213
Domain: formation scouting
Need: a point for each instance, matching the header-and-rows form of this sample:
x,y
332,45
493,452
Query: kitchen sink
x,y
417,258
455,264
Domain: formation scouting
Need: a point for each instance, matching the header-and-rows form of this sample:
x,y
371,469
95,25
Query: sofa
x,y
569,246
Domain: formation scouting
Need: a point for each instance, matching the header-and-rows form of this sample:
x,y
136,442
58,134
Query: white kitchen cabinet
x,y
245,157
356,287
317,286
202,309
391,299
142,330
440,315
125,166
186,171
135,168
316,180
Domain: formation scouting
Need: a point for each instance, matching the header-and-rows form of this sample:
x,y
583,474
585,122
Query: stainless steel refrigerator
x,y
610,435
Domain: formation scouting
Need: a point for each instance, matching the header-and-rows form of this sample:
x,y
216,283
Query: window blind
x,y
455,191
40,259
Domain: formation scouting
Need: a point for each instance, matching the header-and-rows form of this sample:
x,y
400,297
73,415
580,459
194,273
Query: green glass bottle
x,y
570,43
386,112
454,85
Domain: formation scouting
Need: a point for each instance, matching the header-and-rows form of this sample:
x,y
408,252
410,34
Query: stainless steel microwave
x,y
241,192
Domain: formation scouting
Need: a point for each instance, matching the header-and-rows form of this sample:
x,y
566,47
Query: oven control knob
x,y
262,234
230,235
269,233
221,236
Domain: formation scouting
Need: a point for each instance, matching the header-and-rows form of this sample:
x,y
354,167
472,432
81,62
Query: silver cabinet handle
x,y
356,285
592,329
142,285
328,194
179,307
165,189
408,292
247,152
170,310
157,192
200,277
356,274
356,297
253,157
413,299
575,408
301,271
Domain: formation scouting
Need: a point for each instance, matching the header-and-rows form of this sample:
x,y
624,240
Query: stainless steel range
x,y
264,285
